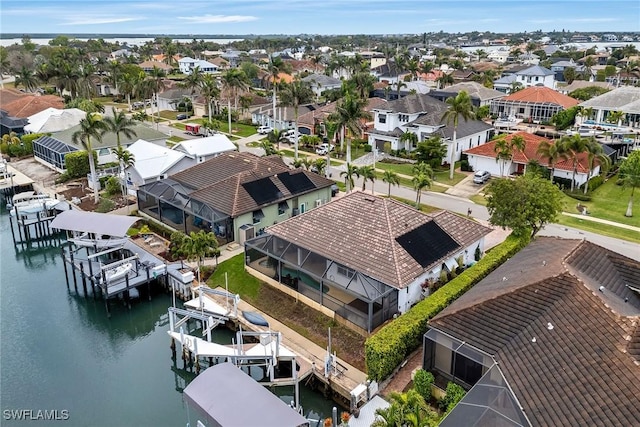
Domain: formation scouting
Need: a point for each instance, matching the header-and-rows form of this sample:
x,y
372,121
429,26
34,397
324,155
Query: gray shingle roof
x,y
536,70
625,98
475,90
109,139
363,235
322,79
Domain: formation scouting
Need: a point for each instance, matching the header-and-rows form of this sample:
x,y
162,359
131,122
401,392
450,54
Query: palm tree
x,y
91,127
293,95
210,91
119,124
409,139
233,80
574,145
268,147
420,180
553,152
26,78
349,113
320,166
595,152
459,106
501,148
515,87
157,76
615,117
130,84
348,176
444,80
126,160
367,172
629,175
276,136
391,178
276,65
198,246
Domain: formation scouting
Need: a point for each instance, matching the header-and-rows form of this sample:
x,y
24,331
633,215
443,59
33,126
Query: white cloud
x,y
218,19
97,21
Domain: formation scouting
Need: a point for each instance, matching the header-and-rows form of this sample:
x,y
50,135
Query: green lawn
x,y
290,153
240,282
441,175
609,202
598,228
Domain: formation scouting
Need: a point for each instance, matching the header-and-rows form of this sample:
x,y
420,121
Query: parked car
x,y
182,116
263,130
325,148
480,177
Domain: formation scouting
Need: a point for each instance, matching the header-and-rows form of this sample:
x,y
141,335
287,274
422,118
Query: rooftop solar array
x,y
427,243
296,182
262,191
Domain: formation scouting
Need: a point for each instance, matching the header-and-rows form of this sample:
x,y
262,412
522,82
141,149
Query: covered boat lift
x,y
224,396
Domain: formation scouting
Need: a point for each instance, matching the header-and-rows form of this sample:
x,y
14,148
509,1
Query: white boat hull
x,y
118,272
98,243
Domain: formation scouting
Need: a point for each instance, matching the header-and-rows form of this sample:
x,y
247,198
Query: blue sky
x,y
313,16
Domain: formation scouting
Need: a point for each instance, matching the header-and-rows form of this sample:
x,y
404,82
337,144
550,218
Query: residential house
x,y
280,118
480,95
421,115
485,157
54,120
154,162
23,105
559,67
550,338
529,59
320,83
170,98
51,150
203,149
500,55
9,124
581,84
233,195
609,38
536,104
625,99
460,76
148,66
221,63
531,76
362,259
232,57
187,65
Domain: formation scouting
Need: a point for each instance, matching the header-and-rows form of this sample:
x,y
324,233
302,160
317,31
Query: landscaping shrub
x,y
77,164
388,347
578,195
113,186
105,205
422,382
595,182
455,393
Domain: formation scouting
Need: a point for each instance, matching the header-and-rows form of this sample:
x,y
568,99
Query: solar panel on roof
x,y
296,182
262,191
427,243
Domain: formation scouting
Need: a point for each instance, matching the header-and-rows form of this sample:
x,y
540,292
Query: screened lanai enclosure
x,y
52,152
535,111
356,297
169,202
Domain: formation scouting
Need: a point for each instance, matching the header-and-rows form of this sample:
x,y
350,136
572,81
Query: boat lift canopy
x,y
93,222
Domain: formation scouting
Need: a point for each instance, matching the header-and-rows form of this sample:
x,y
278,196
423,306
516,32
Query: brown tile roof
x,y
359,231
542,94
8,95
218,182
532,142
578,372
30,104
158,64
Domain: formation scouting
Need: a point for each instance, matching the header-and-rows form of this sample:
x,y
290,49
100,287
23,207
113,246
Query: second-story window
x,y
382,118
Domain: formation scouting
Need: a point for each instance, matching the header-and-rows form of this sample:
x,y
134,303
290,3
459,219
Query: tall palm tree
x,y
210,91
421,179
91,127
574,145
293,95
459,106
130,84
348,174
276,137
157,76
120,124
391,178
349,113
233,80
198,246
552,151
629,174
126,160
193,80
276,66
367,172
595,152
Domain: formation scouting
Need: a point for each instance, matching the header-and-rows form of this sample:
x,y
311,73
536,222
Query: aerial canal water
x,y
59,352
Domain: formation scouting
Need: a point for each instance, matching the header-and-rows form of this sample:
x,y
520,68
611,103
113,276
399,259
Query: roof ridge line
x,y
393,247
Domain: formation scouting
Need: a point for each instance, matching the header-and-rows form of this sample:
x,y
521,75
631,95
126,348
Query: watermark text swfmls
x,y
35,414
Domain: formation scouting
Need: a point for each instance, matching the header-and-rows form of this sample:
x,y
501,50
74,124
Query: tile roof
x,y
30,104
541,94
9,94
532,142
580,370
221,182
364,229
625,98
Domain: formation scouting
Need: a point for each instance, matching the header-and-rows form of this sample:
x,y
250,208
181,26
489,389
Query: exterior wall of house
x,y
271,215
528,81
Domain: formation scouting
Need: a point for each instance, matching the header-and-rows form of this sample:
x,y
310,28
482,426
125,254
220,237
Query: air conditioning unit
x,y
246,232
318,203
295,211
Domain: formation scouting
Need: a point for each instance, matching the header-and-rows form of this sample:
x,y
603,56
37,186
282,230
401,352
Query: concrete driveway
x,y
465,188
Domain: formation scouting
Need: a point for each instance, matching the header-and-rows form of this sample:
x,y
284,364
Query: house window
x,y
346,272
283,207
403,117
382,118
521,110
303,208
257,216
103,152
537,78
